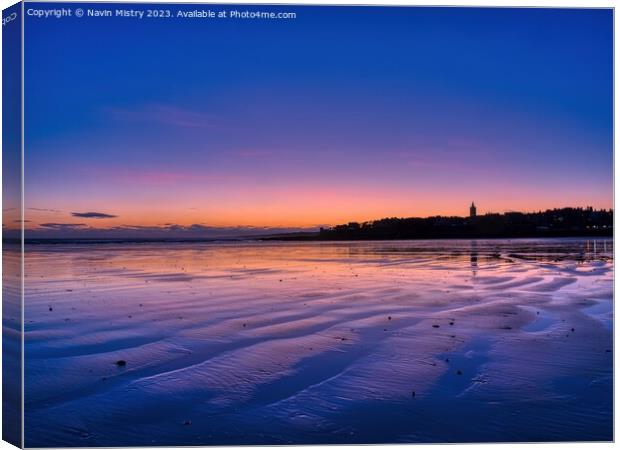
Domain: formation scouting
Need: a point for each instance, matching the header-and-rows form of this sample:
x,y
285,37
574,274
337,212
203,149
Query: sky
x,y
342,114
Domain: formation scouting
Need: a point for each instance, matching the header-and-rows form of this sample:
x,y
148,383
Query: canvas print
x,y
295,224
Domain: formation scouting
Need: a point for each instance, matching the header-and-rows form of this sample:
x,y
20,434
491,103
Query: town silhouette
x,y
561,222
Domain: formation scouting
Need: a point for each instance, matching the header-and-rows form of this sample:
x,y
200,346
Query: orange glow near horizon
x,y
294,209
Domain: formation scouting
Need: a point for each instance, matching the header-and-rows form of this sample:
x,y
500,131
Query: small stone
x,y
458,372
451,323
435,326
121,363
572,329
244,325
51,309
389,317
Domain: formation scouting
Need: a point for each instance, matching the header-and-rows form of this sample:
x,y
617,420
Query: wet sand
x,y
279,343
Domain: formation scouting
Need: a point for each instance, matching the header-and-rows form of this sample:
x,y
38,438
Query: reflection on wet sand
x,y
269,343
473,259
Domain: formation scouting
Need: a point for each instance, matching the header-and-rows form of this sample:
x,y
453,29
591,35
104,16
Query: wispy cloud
x,y
164,114
62,226
254,153
159,177
93,215
167,231
45,210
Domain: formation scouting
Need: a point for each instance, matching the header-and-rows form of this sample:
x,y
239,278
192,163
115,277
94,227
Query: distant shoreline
x,y
319,238
552,223
316,239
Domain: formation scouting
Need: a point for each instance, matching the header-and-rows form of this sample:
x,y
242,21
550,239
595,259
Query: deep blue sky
x,y
340,114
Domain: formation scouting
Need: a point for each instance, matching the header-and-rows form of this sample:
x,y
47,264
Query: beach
x,y
318,342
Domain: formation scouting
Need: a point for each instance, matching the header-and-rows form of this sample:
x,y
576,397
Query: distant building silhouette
x,y
472,210
559,222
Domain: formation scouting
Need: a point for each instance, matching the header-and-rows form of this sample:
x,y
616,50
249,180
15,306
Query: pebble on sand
x,y
435,326
458,372
121,363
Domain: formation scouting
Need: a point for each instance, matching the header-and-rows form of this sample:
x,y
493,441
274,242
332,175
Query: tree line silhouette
x,y
561,222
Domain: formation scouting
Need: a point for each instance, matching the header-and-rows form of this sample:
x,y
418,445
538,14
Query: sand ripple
x,y
269,343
